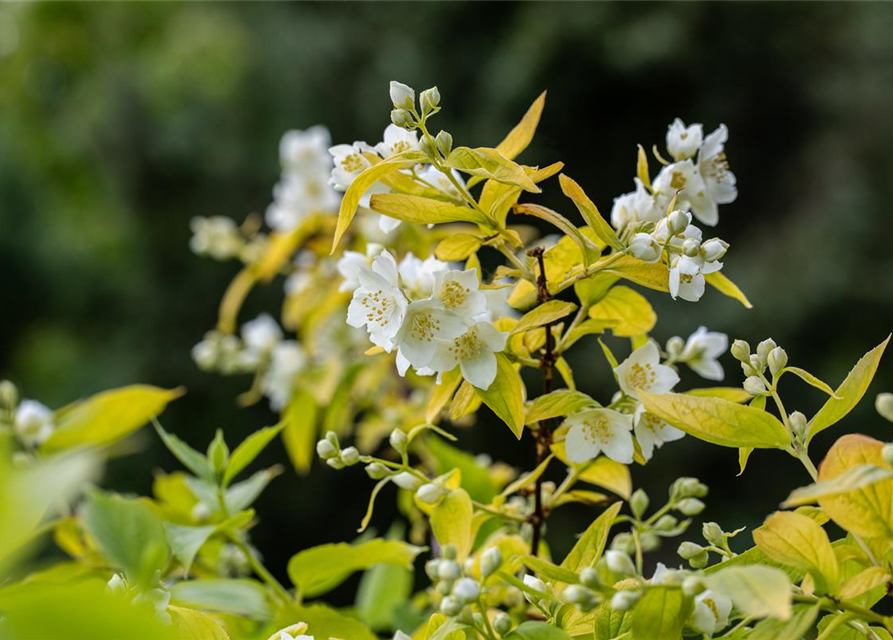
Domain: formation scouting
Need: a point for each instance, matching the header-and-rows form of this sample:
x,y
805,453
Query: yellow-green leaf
x,y
519,137
451,522
588,249
718,421
653,275
867,511
794,628
726,287
602,472
626,311
642,168
490,164
798,541
108,416
590,212
809,379
457,246
418,210
299,435
661,613
854,478
849,392
755,590
732,394
864,581
441,393
324,623
195,625
546,313
558,403
248,450
591,544
505,396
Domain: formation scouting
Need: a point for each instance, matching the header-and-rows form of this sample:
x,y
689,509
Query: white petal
x,y
493,338
480,370
387,224
665,378
708,369
578,448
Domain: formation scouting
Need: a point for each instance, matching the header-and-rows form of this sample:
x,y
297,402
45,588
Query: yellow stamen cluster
x,y
424,326
641,376
466,346
595,430
378,305
353,163
453,294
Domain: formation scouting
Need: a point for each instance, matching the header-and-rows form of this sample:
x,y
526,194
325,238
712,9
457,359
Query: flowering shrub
x,y
399,337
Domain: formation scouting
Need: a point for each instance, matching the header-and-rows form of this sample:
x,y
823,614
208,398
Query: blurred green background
x,y
120,122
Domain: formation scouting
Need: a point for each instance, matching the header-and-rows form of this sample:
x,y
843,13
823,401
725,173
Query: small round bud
x,y
534,583
466,590
398,441
645,248
675,345
326,449
688,550
638,503
741,350
491,560
429,493
9,397
624,543
402,118
502,624
666,522
116,585
376,471
757,362
691,247
620,563
406,480
399,635
335,463
887,453
688,487
754,386
449,552
332,437
450,606
884,405
714,249
649,541
765,347
432,569
699,561
692,586
402,96
589,577
468,566
690,506
350,456
448,570
429,99
444,588
798,423
678,221
444,143
576,594
624,600
426,146
712,533
777,359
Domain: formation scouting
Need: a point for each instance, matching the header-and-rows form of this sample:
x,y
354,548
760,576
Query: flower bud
x,y
798,423
449,552
884,405
429,493
589,577
491,560
426,146
619,563
624,600
754,386
468,566
402,96
690,506
534,583
714,249
624,543
712,533
887,453
432,569
699,561
398,441
376,471
444,588
688,550
688,487
741,350
691,247
402,118
678,221
666,523
335,463
777,360
332,437
765,347
692,586
399,635
638,503
406,480
116,585
502,624
649,541
350,456
577,594
675,345
448,570
450,606
429,99
444,143
466,590
757,363
645,248
9,396
326,449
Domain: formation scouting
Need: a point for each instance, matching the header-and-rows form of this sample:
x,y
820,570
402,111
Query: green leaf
x,y
129,535
320,569
456,247
810,379
549,571
852,479
418,210
185,541
108,416
324,622
653,275
195,625
661,613
522,134
562,402
248,450
218,453
299,436
476,479
588,249
589,547
590,212
864,581
506,395
535,630
718,421
451,522
240,597
363,182
802,619
383,589
732,394
546,313
849,392
188,457
798,541
726,287
626,311
242,494
756,591
491,164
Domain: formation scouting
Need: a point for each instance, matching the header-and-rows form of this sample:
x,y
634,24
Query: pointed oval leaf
x,y
451,522
506,395
798,541
418,210
626,311
755,590
249,449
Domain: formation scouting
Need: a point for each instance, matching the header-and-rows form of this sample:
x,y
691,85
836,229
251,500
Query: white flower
x,y
349,163
459,292
397,140
378,303
285,635
286,360
297,196
652,432
720,183
702,350
425,322
636,206
262,333
33,422
711,612
474,352
645,248
642,371
681,177
597,431
306,151
217,237
439,180
417,276
683,142
687,279
534,583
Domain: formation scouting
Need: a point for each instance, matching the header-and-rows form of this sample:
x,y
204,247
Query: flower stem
x,y
262,571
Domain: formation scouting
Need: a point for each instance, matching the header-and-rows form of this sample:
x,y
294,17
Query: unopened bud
x,y
450,606
624,600
406,480
620,563
714,249
377,471
675,345
9,395
666,523
691,247
491,560
638,503
690,506
757,363
688,550
777,359
429,493
426,146
467,590
326,449
649,541
444,143
712,533
432,569
887,453
884,405
692,586
645,248
350,456
402,96
741,350
688,488
402,118
678,221
116,585
449,552
332,437
577,594
623,542
798,423
754,386
398,441
449,570
765,347
335,463
429,99
502,624
589,577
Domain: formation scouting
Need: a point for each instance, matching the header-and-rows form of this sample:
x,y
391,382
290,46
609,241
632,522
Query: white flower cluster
x,y
711,611
33,423
303,187
435,317
609,431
